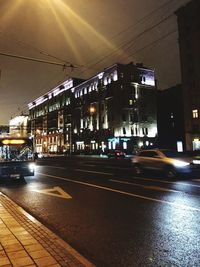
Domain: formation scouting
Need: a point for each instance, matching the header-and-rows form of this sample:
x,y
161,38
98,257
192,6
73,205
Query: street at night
x,y
110,216
99,133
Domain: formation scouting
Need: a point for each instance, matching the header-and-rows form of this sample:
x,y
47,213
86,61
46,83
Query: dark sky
x,y
90,34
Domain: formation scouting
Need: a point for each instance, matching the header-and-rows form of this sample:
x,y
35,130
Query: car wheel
x,y
170,172
137,168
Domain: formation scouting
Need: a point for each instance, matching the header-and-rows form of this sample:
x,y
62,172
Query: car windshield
x,y
171,153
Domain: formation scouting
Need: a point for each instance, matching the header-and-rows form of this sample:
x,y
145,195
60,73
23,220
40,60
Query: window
x,y
136,92
124,117
124,130
195,113
145,131
132,131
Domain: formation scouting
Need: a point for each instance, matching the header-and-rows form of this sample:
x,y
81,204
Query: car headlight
x,y
180,163
31,167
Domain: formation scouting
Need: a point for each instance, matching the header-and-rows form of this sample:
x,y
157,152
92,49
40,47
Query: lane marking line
x,y
80,170
119,168
167,182
55,167
136,177
122,192
106,173
196,180
147,186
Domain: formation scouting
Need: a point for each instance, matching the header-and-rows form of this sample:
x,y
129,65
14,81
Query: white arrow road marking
x,y
55,191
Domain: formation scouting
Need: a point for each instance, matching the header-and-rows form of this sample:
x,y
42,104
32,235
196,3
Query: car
x,y
169,162
116,154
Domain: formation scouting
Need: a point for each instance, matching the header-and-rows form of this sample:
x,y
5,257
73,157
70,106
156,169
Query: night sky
x,y
90,35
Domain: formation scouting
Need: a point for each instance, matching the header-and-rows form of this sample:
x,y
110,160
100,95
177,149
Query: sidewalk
x,y
26,242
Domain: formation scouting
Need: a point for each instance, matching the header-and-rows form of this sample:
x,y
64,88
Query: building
x,y
115,109
18,126
4,130
170,119
50,117
189,43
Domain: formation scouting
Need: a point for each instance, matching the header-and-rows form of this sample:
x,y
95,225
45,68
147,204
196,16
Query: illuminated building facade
x,y
18,126
115,109
189,43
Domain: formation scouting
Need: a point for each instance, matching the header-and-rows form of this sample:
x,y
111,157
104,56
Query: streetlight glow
x,y
92,109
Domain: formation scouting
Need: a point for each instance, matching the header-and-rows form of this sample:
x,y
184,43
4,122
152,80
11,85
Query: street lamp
x,y
92,110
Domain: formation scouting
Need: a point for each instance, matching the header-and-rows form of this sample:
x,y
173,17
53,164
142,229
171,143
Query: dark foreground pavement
x,y
26,242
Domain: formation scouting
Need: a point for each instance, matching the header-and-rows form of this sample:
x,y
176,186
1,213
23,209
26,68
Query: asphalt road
x,y
110,216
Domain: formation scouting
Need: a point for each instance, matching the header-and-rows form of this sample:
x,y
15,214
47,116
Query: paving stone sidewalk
x,y
26,242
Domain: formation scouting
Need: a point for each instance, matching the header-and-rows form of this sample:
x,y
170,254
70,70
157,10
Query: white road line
x,y
89,165
196,180
136,178
167,182
81,170
123,192
118,168
106,173
146,186
54,167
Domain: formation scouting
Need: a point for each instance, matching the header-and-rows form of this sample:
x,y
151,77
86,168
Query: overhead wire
x,y
134,39
127,45
143,19
42,52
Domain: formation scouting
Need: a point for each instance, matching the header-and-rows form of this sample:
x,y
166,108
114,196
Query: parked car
x,y
169,162
116,154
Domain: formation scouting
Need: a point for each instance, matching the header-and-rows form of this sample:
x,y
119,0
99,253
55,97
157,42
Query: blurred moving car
x,y
169,162
116,154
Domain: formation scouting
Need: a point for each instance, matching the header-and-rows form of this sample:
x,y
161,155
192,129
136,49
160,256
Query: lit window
x,y
136,92
115,76
105,81
195,113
